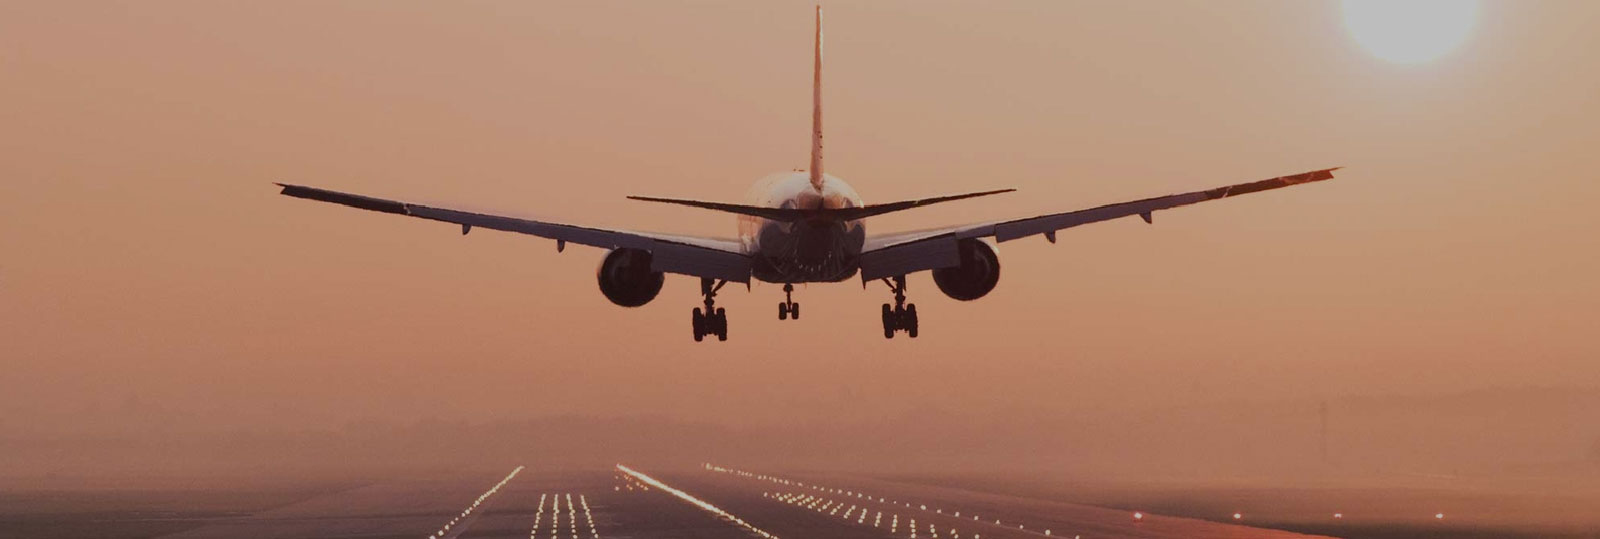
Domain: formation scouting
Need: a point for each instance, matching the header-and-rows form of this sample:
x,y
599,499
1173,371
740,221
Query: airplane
x,y
804,226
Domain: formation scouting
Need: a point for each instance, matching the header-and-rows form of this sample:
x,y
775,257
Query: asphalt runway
x,y
710,502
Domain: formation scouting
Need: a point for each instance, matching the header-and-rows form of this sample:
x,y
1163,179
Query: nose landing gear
x,y
714,320
788,309
903,316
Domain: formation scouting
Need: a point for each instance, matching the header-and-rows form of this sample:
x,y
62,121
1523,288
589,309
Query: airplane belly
x,y
802,251
807,251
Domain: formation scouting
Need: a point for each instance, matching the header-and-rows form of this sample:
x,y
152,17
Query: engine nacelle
x,y
626,278
975,277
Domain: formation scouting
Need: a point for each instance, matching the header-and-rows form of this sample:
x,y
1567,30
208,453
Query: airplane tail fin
x,y
816,108
837,214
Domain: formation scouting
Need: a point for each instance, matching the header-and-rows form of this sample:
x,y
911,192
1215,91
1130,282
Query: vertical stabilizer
x,y
816,109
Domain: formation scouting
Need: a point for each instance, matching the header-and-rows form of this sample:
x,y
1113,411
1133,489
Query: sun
x,y
1410,31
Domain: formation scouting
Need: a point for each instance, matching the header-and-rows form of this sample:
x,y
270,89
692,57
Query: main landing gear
x,y
788,309
714,320
903,317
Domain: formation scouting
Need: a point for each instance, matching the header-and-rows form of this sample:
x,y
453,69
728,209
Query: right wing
x,y
909,252
699,257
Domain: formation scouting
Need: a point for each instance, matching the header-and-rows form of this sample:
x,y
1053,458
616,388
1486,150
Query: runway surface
x,y
711,502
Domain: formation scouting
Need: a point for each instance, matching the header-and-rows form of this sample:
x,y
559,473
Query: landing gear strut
x,y
788,309
714,320
903,316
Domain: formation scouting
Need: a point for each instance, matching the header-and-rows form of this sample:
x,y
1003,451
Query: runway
x,y
709,502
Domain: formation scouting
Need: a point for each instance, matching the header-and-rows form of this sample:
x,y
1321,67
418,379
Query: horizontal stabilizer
x,y
837,214
776,214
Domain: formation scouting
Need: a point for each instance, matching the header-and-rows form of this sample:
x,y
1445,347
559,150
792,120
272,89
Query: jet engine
x,y
977,274
626,278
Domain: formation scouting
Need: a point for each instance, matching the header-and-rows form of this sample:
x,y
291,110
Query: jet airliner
x,y
804,226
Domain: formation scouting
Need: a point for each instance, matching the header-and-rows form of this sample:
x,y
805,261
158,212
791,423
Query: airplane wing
x,y
909,252
699,257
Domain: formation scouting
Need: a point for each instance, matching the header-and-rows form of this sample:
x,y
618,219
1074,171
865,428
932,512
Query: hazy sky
x,y
149,272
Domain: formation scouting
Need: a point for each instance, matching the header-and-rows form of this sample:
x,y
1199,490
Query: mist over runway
x,y
711,502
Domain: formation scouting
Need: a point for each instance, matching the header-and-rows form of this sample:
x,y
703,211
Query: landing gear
x,y
788,309
902,316
713,320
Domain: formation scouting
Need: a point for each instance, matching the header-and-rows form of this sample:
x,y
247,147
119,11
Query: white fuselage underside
x,y
802,251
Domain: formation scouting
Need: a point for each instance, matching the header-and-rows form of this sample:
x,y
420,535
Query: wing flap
x,y
684,259
941,251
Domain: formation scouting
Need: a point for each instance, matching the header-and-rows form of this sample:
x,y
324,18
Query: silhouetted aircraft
x,y
804,227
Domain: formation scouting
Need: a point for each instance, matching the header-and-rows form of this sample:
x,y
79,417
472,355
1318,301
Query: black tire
x,y
699,325
910,320
794,311
783,311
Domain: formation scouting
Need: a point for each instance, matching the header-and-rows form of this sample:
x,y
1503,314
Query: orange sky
x,y
148,263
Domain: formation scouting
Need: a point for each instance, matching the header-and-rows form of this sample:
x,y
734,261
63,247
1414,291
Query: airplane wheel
x,y
911,321
794,311
722,324
888,322
783,311
699,325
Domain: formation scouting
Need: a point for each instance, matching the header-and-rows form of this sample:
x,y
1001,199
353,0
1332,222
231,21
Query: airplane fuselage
x,y
802,251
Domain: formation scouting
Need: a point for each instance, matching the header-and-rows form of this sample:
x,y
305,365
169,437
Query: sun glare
x,y
1410,31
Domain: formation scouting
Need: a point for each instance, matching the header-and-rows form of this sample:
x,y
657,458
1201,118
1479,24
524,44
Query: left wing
x,y
910,252
699,257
